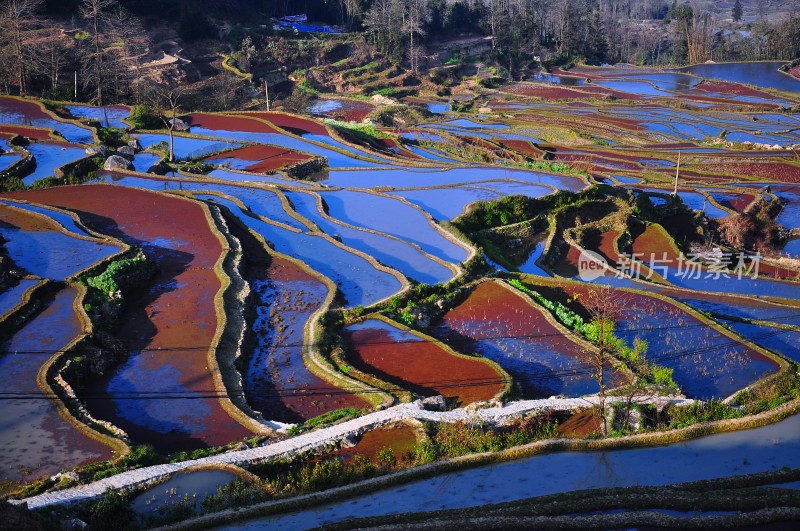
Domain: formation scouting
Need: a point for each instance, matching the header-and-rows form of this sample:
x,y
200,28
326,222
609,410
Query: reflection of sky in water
x,y
107,116
71,132
52,254
786,342
393,217
136,378
48,158
742,452
396,254
62,218
360,281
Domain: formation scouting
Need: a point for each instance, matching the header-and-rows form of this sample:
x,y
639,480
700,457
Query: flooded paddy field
x,y
377,228
419,365
175,312
37,441
276,380
499,324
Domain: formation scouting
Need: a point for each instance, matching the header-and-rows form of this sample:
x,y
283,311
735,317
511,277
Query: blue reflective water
x,y
427,177
48,158
758,450
13,295
180,488
184,146
51,253
9,114
107,116
792,249
786,342
360,282
761,74
393,217
144,161
62,218
335,158
447,203
529,266
259,200
391,252
8,159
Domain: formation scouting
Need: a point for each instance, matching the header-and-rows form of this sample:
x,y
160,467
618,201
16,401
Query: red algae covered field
x,y
398,439
168,326
421,366
500,324
261,158
227,122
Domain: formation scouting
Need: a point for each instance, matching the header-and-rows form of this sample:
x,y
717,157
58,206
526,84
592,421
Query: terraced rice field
x,y
418,364
362,235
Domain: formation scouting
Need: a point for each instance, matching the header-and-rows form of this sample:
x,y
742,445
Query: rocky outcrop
x,y
115,162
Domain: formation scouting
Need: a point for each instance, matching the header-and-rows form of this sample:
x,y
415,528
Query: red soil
x,y
400,439
775,171
580,425
422,367
725,87
641,308
292,123
28,132
494,302
605,246
30,109
523,146
563,93
227,122
794,71
176,310
351,110
597,160
653,242
265,158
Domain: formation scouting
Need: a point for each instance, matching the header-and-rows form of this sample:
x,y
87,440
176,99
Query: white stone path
x,y
319,439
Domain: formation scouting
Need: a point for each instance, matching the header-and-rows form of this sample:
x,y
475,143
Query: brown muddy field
x,y
165,395
400,439
418,365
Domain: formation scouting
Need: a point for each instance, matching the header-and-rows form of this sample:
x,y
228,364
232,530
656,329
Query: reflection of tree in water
x,y
602,473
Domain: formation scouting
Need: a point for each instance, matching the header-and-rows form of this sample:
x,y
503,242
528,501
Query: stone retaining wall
x,y
319,439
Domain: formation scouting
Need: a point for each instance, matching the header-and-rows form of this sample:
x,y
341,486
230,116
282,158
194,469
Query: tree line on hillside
x,y
93,50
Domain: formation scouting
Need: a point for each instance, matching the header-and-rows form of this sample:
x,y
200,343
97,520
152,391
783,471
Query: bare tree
x,y
50,55
167,100
17,17
605,308
95,14
130,46
416,14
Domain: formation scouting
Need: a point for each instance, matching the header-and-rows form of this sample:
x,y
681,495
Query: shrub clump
x,y
119,274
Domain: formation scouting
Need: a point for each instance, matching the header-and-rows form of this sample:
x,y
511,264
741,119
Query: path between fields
x,y
321,438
